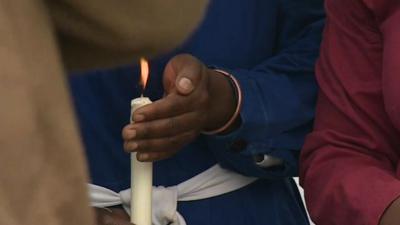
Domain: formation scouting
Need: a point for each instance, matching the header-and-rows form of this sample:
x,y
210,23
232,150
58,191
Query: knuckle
x,y
141,146
171,124
144,131
147,146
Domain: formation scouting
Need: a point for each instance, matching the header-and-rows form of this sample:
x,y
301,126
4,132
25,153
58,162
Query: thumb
x,y
183,74
184,85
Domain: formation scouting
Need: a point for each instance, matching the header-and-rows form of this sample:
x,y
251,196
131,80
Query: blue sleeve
x,y
279,97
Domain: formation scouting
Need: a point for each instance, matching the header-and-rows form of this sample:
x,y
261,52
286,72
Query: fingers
x,y
128,132
184,73
169,106
150,149
160,139
163,128
159,144
154,156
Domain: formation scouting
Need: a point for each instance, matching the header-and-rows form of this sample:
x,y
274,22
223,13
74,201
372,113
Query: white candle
x,y
141,180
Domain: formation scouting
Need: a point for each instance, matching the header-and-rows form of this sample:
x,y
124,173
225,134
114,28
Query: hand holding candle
x,y
197,99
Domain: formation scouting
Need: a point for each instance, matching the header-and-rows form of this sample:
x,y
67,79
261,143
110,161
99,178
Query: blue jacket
x,y
270,46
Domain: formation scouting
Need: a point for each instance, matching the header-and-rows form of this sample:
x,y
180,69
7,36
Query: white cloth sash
x,y
210,183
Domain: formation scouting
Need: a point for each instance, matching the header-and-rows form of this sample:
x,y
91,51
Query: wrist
x,y
224,105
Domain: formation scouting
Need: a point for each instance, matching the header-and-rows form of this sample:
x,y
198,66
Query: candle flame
x,y
144,70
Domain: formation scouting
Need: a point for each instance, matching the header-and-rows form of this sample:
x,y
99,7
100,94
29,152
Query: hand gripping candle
x,y
141,172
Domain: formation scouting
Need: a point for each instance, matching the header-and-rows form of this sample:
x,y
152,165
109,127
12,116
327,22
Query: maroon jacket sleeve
x,y
349,165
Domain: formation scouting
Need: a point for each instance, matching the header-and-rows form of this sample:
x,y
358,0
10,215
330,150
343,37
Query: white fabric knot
x,y
165,203
210,183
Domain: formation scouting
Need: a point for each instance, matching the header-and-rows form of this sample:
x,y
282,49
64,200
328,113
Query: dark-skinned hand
x,y
197,99
114,216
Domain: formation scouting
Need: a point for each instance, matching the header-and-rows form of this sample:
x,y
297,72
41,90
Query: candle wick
x,y
143,89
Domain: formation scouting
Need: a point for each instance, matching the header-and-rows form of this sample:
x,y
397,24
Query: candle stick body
x,y
141,180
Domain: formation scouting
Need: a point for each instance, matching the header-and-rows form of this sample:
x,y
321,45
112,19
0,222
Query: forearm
x,y
273,119
278,95
224,119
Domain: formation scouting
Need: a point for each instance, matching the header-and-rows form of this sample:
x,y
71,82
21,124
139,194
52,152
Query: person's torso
x,y
239,36
372,26
235,34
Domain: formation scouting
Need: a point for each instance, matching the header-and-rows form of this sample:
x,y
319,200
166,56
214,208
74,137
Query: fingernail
x,y
185,84
138,118
143,156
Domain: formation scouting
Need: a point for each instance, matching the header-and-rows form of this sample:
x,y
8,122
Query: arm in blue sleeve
x,y
278,97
